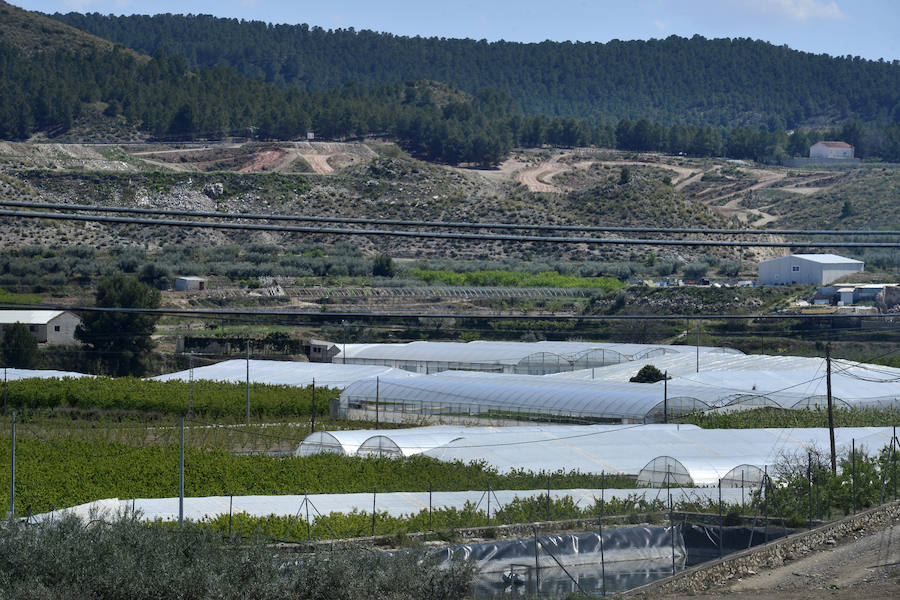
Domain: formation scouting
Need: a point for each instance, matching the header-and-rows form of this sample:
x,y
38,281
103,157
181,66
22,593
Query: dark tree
x,y
121,341
18,347
648,374
383,266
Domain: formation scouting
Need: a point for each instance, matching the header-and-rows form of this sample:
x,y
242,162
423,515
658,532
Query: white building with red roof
x,y
836,150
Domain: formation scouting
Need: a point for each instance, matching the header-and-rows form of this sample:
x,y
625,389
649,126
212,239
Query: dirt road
x,y
864,567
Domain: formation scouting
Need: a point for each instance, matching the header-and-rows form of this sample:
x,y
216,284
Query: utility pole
x,y
248,381
666,397
181,477
312,426
698,345
830,408
377,390
12,468
191,385
344,351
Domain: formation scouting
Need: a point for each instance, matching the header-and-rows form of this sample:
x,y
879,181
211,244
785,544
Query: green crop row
x,y
60,473
360,523
758,418
210,398
550,279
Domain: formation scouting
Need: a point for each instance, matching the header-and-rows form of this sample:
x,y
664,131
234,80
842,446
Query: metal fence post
x,y
12,467
853,471
181,475
230,505
721,521
809,486
600,523
537,564
548,499
374,495
248,382
489,502
430,522
766,503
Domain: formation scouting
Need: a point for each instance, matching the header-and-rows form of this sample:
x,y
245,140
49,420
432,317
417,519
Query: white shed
x,y
834,150
48,326
183,284
817,269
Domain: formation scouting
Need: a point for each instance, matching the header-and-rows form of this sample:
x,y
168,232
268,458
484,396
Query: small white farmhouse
x,y
48,326
835,150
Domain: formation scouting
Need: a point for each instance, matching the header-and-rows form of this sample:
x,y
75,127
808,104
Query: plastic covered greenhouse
x,y
531,358
284,372
656,455
459,397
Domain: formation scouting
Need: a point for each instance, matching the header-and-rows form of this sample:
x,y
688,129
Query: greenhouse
x,y
531,358
656,455
689,455
284,372
11,374
394,442
459,397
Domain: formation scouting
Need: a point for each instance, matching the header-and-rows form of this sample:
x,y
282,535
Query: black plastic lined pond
x,y
631,556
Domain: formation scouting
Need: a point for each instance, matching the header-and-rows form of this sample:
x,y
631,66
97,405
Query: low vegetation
x,y
65,558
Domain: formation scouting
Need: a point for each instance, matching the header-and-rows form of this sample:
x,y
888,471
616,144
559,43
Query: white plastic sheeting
x,y
706,455
282,372
395,504
392,442
745,381
16,374
497,395
534,358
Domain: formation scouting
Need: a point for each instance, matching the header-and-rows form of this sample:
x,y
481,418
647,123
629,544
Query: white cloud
x,y
796,10
661,24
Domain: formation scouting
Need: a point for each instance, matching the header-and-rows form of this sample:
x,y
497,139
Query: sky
x,y
866,28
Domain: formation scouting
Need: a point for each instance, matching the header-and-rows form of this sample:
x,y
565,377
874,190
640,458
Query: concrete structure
x,y
818,269
183,284
48,326
833,150
852,293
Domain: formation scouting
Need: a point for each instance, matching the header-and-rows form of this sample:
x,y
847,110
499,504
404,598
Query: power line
x,y
455,236
444,224
331,315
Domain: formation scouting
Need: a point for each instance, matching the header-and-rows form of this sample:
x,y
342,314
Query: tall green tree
x,y
18,347
121,341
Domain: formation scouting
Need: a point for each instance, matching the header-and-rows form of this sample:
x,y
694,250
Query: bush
x,y
126,558
648,374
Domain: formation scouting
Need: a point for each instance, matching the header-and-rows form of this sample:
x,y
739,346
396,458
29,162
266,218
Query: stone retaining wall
x,y
773,554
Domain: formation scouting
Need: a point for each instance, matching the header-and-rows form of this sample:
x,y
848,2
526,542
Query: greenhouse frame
x,y
529,358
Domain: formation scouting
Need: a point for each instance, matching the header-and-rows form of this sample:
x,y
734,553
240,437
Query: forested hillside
x,y
718,82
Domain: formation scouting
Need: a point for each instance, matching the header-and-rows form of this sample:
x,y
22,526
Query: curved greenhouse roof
x,y
284,372
535,358
459,392
705,454
689,454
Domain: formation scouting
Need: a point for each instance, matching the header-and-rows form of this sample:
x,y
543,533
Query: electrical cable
x,y
332,315
443,224
455,236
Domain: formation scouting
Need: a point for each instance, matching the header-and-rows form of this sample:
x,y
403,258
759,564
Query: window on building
x,y
31,328
56,328
795,269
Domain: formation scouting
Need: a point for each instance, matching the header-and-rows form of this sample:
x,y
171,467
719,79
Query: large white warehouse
x,y
816,269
